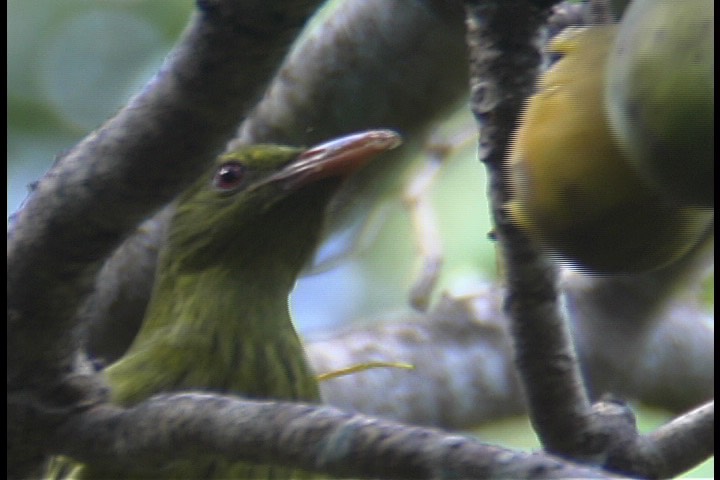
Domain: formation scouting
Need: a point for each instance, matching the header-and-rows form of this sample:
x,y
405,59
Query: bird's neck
x,y
223,324
225,328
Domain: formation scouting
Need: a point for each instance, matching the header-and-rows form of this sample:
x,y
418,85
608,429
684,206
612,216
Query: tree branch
x,y
684,442
464,372
314,438
461,351
670,450
503,65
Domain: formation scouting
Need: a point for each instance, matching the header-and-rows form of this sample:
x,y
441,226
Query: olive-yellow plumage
x,y
218,318
573,189
660,95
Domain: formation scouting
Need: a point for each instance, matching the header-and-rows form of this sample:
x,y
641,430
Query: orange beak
x,y
336,158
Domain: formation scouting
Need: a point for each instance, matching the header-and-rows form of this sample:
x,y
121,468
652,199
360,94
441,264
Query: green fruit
x,y
660,96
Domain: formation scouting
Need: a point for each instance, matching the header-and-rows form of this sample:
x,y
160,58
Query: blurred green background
x,y
73,64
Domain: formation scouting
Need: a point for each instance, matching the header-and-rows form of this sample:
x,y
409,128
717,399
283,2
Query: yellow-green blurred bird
x,y
573,189
660,96
218,319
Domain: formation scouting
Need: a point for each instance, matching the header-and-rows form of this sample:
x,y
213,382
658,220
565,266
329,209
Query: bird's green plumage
x,y
218,319
219,313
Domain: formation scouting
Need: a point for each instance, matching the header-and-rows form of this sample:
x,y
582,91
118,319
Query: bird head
x,y
267,199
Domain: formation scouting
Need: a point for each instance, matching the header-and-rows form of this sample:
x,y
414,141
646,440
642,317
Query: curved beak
x,y
336,158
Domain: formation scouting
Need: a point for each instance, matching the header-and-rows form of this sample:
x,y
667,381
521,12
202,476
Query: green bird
x,y
218,319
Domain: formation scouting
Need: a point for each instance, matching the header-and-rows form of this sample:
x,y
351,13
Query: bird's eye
x,y
229,175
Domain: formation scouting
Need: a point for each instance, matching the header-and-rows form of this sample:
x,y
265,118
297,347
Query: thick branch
x,y
137,161
320,439
111,315
465,374
361,63
461,351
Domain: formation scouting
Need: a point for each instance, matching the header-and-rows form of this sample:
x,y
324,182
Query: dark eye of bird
x,y
229,175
